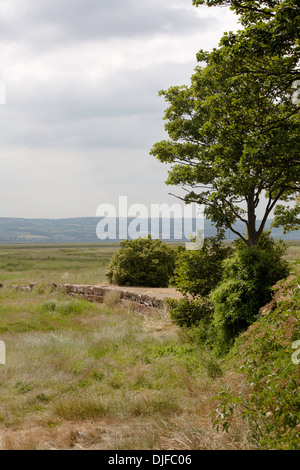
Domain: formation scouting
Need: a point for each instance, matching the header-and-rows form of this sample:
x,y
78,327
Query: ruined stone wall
x,y
97,294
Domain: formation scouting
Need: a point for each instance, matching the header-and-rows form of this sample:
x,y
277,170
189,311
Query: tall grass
x,y
86,264
71,361
99,376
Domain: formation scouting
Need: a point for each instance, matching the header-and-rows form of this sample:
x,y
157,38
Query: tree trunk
x,y
253,235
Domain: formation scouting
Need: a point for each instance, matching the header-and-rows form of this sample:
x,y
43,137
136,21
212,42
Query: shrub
x,y
197,272
73,307
247,279
236,306
270,399
186,312
142,262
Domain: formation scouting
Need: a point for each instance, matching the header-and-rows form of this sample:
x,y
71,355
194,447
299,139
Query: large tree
x,y
234,137
270,24
270,27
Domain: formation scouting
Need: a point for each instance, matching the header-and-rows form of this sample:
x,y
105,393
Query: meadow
x,y
74,263
82,375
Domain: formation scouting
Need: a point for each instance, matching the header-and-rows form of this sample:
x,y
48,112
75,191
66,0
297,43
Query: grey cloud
x,y
126,93
115,131
51,22
123,110
82,108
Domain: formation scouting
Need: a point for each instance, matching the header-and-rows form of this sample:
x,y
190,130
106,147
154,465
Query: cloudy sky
x,y
82,108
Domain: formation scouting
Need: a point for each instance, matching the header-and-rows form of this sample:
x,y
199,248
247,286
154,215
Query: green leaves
x,y
270,403
142,262
234,133
187,313
288,217
197,272
246,284
271,26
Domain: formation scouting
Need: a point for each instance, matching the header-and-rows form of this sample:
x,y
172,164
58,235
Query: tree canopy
x,y
234,136
277,20
270,27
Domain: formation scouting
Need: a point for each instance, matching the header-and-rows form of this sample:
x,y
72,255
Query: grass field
x,y
77,263
99,376
293,249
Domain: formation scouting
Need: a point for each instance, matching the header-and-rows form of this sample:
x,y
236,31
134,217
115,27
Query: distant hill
x,y
83,230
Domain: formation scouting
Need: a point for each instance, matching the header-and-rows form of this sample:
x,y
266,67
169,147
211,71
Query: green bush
x,y
236,306
186,312
197,272
142,262
264,357
247,279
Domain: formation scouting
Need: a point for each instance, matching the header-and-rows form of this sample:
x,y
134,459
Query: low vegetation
x,y
264,354
76,263
256,340
142,262
103,376
230,290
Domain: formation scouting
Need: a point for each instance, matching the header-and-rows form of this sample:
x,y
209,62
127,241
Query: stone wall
x,y
97,294
140,301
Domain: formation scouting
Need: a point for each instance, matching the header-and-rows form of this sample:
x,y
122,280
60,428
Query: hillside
x,y
268,356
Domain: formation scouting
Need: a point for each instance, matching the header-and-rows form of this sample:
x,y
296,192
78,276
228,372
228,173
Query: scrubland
x,y
82,375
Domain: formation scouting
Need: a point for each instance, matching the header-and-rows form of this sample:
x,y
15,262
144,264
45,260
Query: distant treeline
x,y
83,230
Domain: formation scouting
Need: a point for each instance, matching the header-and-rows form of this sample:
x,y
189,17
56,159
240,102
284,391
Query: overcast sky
x,y
82,108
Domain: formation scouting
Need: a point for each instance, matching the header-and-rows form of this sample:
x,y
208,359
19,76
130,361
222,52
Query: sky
x,y
82,111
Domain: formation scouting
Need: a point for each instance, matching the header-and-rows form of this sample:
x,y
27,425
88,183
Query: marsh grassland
x,y
99,376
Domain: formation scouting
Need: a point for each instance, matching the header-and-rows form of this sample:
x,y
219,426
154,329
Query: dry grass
x,y
102,376
111,298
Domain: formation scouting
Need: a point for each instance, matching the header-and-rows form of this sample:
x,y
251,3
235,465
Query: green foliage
x,y
197,272
230,291
142,262
235,308
271,400
270,25
246,285
74,306
185,312
287,217
234,132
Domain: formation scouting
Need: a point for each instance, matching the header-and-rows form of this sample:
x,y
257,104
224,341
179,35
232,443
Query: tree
x,y
234,138
272,25
287,217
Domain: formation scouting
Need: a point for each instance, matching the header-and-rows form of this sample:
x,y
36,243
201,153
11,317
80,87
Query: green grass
x,y
78,263
72,364
69,360
293,249
98,376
